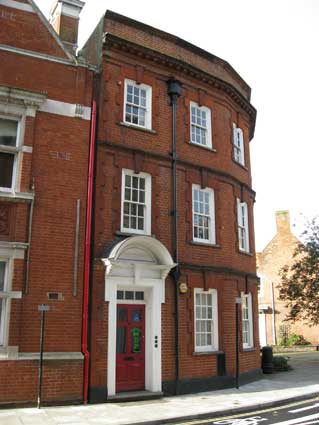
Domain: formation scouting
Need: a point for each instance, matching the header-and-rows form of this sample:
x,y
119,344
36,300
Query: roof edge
x,y
51,30
179,41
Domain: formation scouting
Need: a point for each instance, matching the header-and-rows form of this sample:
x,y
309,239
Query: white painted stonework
x,y
139,263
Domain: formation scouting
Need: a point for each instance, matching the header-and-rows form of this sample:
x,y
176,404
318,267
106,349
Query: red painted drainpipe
x,y
87,258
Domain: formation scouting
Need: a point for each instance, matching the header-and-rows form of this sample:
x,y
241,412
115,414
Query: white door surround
x,y
138,263
262,328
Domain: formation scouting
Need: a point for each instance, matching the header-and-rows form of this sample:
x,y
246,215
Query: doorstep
x,y
134,396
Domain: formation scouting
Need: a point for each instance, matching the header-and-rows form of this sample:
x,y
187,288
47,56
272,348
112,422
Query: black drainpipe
x,y
174,92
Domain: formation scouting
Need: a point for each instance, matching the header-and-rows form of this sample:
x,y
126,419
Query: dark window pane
x,y
133,222
126,222
120,295
8,132
129,295
6,169
139,295
121,340
2,274
121,314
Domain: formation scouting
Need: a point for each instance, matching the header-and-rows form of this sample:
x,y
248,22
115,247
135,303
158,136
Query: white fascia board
x,y
66,109
42,56
52,356
71,10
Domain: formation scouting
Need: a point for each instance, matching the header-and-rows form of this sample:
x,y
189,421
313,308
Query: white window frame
x,y
261,288
5,297
148,203
238,145
211,216
148,107
208,127
16,151
246,304
243,226
214,321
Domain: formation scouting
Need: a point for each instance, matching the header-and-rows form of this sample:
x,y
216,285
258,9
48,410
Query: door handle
x,y
129,358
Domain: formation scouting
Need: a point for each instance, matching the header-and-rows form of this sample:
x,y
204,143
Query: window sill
x,y
211,245
120,233
207,353
249,254
136,127
243,166
9,353
207,148
27,196
249,349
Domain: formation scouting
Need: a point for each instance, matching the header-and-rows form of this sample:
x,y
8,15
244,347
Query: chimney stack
x,y
283,222
64,17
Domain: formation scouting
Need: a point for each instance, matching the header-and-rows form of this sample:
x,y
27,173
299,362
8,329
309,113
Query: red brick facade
x,y
51,96
220,266
40,86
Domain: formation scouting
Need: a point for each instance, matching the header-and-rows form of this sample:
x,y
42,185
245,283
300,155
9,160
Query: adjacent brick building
x,y
172,225
45,103
272,311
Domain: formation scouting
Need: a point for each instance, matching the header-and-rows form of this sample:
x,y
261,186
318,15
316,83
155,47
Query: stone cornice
x,y
21,97
113,42
179,42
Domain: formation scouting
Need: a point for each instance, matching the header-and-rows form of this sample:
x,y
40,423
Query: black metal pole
x,y
41,359
237,342
174,91
43,309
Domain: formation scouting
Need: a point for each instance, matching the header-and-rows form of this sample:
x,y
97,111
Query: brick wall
x,y
57,170
122,147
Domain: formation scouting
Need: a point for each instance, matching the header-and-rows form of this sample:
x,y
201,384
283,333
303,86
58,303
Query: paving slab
x,y
301,382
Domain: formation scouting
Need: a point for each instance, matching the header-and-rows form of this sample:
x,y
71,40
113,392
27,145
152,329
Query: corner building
x,y
173,217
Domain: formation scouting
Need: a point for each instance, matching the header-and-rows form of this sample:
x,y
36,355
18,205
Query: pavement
x,y
300,383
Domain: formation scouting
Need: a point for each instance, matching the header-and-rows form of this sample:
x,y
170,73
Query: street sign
x,y
43,307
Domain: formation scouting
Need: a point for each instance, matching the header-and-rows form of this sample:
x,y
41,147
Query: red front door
x,y
130,347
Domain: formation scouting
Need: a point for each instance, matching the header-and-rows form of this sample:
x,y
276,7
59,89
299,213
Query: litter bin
x,y
267,364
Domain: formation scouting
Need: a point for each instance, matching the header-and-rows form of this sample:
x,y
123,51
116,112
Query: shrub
x,y
295,339
281,363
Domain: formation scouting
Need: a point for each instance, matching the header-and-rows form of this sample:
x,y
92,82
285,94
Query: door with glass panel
x,y
130,347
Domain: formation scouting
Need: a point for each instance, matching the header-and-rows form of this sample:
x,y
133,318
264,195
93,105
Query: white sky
x,y
273,45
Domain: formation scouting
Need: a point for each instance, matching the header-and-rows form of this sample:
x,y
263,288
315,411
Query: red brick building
x,y
45,110
273,311
173,222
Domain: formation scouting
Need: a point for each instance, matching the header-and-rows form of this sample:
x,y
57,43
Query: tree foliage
x,y
300,281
